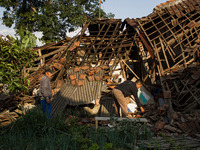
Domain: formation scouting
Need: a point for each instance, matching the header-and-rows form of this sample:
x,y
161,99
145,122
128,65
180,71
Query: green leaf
x,y
13,62
28,81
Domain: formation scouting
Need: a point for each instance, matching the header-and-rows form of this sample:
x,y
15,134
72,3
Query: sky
x,y
121,8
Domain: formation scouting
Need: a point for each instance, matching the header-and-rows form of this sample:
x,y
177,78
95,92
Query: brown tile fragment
x,y
79,82
159,125
184,127
77,69
73,82
82,76
91,72
85,67
91,78
72,76
172,129
97,77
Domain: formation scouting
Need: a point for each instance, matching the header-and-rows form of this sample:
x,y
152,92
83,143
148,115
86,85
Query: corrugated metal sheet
x,y
77,95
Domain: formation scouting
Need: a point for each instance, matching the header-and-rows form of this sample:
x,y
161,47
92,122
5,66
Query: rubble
x,y
162,49
12,107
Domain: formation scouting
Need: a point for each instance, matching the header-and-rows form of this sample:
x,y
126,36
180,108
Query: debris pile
x,y
12,107
161,48
180,123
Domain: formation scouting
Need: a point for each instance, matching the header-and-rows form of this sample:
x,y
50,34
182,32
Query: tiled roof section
x,y
176,7
167,4
171,31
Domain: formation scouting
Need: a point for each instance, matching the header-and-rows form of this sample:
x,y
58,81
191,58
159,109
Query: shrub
x,y
14,56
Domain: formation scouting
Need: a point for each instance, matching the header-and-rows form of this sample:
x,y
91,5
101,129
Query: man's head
x,y
48,72
138,83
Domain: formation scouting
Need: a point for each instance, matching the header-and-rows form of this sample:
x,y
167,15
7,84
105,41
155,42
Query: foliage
x,y
51,17
14,55
34,131
27,39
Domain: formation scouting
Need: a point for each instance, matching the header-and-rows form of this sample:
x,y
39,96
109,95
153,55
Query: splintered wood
x,y
12,107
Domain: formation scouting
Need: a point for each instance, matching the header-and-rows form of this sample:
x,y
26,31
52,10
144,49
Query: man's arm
x,y
134,92
138,101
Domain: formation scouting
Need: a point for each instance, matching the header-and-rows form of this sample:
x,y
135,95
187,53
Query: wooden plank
x,y
144,120
158,56
162,47
120,119
51,53
41,59
55,47
185,32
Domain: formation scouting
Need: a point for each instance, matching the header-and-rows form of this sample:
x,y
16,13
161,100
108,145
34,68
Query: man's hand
x,y
47,100
142,109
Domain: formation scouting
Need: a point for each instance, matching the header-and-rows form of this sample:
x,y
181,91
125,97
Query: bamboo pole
x,y
41,57
130,69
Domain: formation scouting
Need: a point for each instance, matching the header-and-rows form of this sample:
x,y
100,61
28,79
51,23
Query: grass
x,y
34,131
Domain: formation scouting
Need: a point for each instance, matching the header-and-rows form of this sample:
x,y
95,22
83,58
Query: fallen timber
x,y
163,47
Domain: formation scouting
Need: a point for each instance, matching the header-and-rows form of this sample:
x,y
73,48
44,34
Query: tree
x,y
51,17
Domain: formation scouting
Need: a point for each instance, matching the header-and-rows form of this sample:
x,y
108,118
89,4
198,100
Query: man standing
x,y
45,92
124,90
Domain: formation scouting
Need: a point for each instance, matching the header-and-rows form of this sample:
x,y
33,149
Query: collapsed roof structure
x,y
171,34
161,48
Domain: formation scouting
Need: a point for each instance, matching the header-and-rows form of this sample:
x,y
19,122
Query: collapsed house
x,y
160,49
